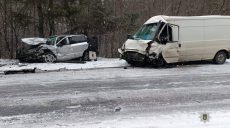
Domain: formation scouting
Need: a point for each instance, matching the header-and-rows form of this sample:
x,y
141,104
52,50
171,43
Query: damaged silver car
x,y
54,48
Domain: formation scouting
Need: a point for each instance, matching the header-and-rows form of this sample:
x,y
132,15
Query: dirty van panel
x,y
169,48
170,52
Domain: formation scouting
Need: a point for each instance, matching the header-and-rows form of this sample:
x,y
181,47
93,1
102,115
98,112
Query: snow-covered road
x,y
118,98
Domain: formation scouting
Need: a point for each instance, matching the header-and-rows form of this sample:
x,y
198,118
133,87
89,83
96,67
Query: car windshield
x,y
51,40
146,32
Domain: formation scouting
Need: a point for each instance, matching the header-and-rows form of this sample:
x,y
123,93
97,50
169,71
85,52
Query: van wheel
x,y
220,58
85,56
161,62
49,57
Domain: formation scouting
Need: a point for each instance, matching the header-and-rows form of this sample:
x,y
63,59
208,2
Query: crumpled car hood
x,y
34,41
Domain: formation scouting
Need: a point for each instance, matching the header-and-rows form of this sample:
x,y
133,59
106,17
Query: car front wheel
x,y
49,57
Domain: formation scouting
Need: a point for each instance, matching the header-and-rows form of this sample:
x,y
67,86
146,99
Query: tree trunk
x,y
51,18
40,19
5,28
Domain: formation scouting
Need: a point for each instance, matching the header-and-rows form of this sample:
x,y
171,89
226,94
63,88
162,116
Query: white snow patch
x,y
175,120
101,63
4,62
217,119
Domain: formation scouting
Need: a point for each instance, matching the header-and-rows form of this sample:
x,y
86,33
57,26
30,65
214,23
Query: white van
x,y
172,39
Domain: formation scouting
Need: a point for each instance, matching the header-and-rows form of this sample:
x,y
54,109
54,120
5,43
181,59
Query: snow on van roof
x,y
168,18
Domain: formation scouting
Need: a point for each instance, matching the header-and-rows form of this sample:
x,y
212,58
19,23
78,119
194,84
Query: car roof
x,y
66,35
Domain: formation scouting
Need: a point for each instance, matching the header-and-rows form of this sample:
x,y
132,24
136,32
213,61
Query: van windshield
x,y
146,32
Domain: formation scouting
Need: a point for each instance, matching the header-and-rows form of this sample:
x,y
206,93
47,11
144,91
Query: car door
x,y
79,45
64,49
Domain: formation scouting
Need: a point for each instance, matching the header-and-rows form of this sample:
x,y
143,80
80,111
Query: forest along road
x,y
89,97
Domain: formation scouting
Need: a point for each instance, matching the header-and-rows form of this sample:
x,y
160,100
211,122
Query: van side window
x,y
77,39
166,35
170,33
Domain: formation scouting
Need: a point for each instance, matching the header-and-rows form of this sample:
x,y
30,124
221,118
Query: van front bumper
x,y
134,57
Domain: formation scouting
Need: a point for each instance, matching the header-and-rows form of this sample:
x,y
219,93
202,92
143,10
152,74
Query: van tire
x,y
160,62
220,57
49,57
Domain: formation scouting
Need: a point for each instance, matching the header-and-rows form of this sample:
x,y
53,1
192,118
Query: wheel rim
x,y
49,58
221,58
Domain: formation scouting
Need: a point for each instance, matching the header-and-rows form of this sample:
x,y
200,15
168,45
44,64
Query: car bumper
x,y
29,55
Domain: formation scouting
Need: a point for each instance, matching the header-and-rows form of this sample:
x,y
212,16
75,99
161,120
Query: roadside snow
x,y
217,119
101,63
220,119
14,65
4,62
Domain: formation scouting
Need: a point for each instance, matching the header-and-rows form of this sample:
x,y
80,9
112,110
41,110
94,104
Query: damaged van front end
x,y
140,52
141,48
152,44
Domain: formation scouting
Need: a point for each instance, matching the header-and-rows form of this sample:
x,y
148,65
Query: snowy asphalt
x,y
90,96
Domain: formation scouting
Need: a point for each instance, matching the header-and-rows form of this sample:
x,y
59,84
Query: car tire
x,y
220,58
85,56
49,57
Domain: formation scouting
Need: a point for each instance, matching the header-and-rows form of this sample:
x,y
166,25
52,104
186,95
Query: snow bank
x,y
217,119
14,65
4,62
101,63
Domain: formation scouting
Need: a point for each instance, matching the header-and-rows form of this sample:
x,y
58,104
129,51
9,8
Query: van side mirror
x,y
175,32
